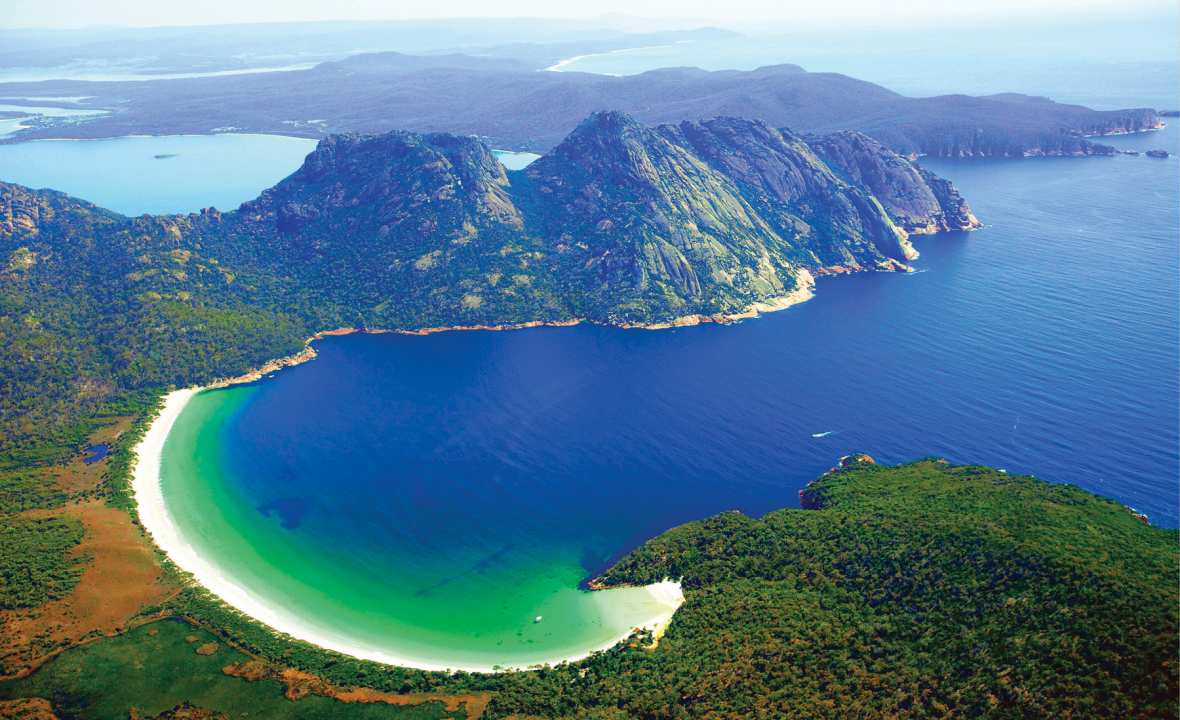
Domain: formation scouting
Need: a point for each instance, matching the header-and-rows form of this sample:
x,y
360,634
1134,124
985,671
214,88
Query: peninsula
x,y
621,224
524,109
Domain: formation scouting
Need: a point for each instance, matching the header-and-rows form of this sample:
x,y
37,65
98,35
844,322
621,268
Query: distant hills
x,y
147,51
513,106
620,224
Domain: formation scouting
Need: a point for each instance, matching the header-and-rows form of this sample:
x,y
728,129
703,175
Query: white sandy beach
x,y
561,65
154,516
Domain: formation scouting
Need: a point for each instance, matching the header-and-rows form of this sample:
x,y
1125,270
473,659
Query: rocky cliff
x,y
700,218
621,223
917,199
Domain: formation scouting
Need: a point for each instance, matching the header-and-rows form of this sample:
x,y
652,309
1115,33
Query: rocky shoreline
x,y
307,353
804,292
801,294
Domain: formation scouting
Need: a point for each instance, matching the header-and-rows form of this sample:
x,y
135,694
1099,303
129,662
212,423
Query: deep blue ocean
x,y
1045,344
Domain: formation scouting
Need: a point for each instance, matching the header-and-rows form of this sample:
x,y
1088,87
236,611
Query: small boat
x,y
537,619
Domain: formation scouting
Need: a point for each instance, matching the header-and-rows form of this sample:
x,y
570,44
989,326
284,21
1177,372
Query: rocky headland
x,y
622,224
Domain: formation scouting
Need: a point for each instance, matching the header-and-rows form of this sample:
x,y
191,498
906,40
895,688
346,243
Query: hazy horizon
x,y
641,15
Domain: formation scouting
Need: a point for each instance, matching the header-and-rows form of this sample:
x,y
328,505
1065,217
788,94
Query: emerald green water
x,y
420,600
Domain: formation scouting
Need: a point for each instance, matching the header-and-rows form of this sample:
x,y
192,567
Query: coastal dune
x,y
159,523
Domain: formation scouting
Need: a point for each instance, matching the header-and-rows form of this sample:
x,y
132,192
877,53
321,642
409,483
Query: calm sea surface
x,y
430,496
156,174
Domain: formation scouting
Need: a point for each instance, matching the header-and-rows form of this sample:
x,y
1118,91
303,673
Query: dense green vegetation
x,y
97,311
925,590
35,566
27,489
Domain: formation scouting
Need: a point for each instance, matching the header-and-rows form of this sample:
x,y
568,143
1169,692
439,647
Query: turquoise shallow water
x,y
472,586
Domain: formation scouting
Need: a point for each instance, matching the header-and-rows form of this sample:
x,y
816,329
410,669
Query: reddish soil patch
x,y
473,703
26,709
300,684
119,578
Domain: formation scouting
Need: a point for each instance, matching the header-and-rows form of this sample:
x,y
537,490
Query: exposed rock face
x,y
839,223
917,199
956,213
622,224
23,213
705,217
856,460
397,182
628,209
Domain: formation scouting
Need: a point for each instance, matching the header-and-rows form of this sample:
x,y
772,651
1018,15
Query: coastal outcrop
x,y
927,564
621,223
699,218
917,199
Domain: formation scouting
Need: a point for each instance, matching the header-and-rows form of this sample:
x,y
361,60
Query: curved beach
x,y
156,519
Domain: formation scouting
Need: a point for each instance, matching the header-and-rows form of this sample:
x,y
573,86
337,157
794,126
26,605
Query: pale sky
x,y
739,14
